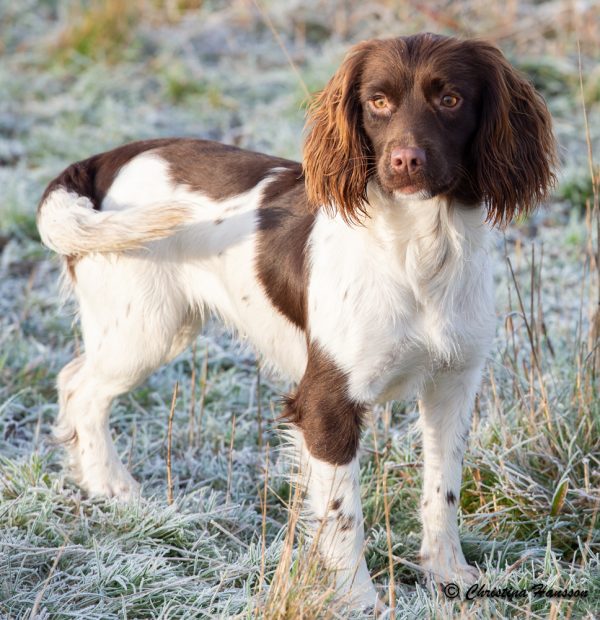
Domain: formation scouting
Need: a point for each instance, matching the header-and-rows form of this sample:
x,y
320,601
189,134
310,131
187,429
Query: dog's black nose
x,y
407,159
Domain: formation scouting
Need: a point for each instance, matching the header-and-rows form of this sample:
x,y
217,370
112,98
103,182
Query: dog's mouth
x,y
406,185
416,186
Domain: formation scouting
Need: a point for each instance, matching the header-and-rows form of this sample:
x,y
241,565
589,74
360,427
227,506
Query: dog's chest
x,y
391,319
383,334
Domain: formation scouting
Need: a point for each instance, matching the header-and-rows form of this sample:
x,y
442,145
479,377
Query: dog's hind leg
x,y
64,429
83,426
132,322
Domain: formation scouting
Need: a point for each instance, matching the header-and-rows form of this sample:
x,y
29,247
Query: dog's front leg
x,y
333,493
328,432
445,409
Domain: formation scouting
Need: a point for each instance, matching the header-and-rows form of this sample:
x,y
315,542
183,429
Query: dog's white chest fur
x,y
403,296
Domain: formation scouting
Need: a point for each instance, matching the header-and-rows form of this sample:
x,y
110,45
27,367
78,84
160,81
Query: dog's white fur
x,y
402,303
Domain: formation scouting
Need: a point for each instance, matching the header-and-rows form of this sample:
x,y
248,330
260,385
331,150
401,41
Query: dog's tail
x,y
69,224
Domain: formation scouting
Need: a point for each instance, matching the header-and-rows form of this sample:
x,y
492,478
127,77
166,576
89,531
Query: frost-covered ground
x,y
76,81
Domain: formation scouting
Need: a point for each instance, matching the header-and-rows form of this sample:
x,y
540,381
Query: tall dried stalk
x,y
169,441
388,529
192,415
230,462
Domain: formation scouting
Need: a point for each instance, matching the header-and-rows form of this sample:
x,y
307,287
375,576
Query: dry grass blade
x,y
169,442
203,387
263,543
594,333
388,529
35,609
230,461
301,586
192,414
536,362
282,46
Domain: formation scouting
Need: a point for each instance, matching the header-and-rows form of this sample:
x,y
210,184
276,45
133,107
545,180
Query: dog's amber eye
x,y
379,102
450,101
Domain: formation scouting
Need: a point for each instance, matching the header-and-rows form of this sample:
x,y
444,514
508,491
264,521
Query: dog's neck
x,y
397,221
427,242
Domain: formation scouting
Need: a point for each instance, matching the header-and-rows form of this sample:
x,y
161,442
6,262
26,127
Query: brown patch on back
x,y
93,177
329,419
284,225
216,170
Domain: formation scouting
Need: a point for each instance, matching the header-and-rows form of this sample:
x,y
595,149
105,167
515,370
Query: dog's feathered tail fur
x,y
69,224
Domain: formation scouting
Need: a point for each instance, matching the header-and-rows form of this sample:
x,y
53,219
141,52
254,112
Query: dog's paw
x,y
357,590
445,563
365,599
463,573
112,482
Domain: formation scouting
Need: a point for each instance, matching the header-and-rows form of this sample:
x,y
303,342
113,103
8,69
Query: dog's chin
x,y
408,193
412,194
419,191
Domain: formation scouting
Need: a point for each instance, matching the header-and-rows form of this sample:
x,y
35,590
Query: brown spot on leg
x,y
335,504
346,522
321,407
450,497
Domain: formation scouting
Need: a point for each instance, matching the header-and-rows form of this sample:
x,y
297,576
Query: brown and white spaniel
x,y
363,274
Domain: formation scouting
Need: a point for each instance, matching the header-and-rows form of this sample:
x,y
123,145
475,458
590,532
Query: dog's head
x,y
426,116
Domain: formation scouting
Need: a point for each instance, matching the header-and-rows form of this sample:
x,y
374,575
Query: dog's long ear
x,y
336,150
514,151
